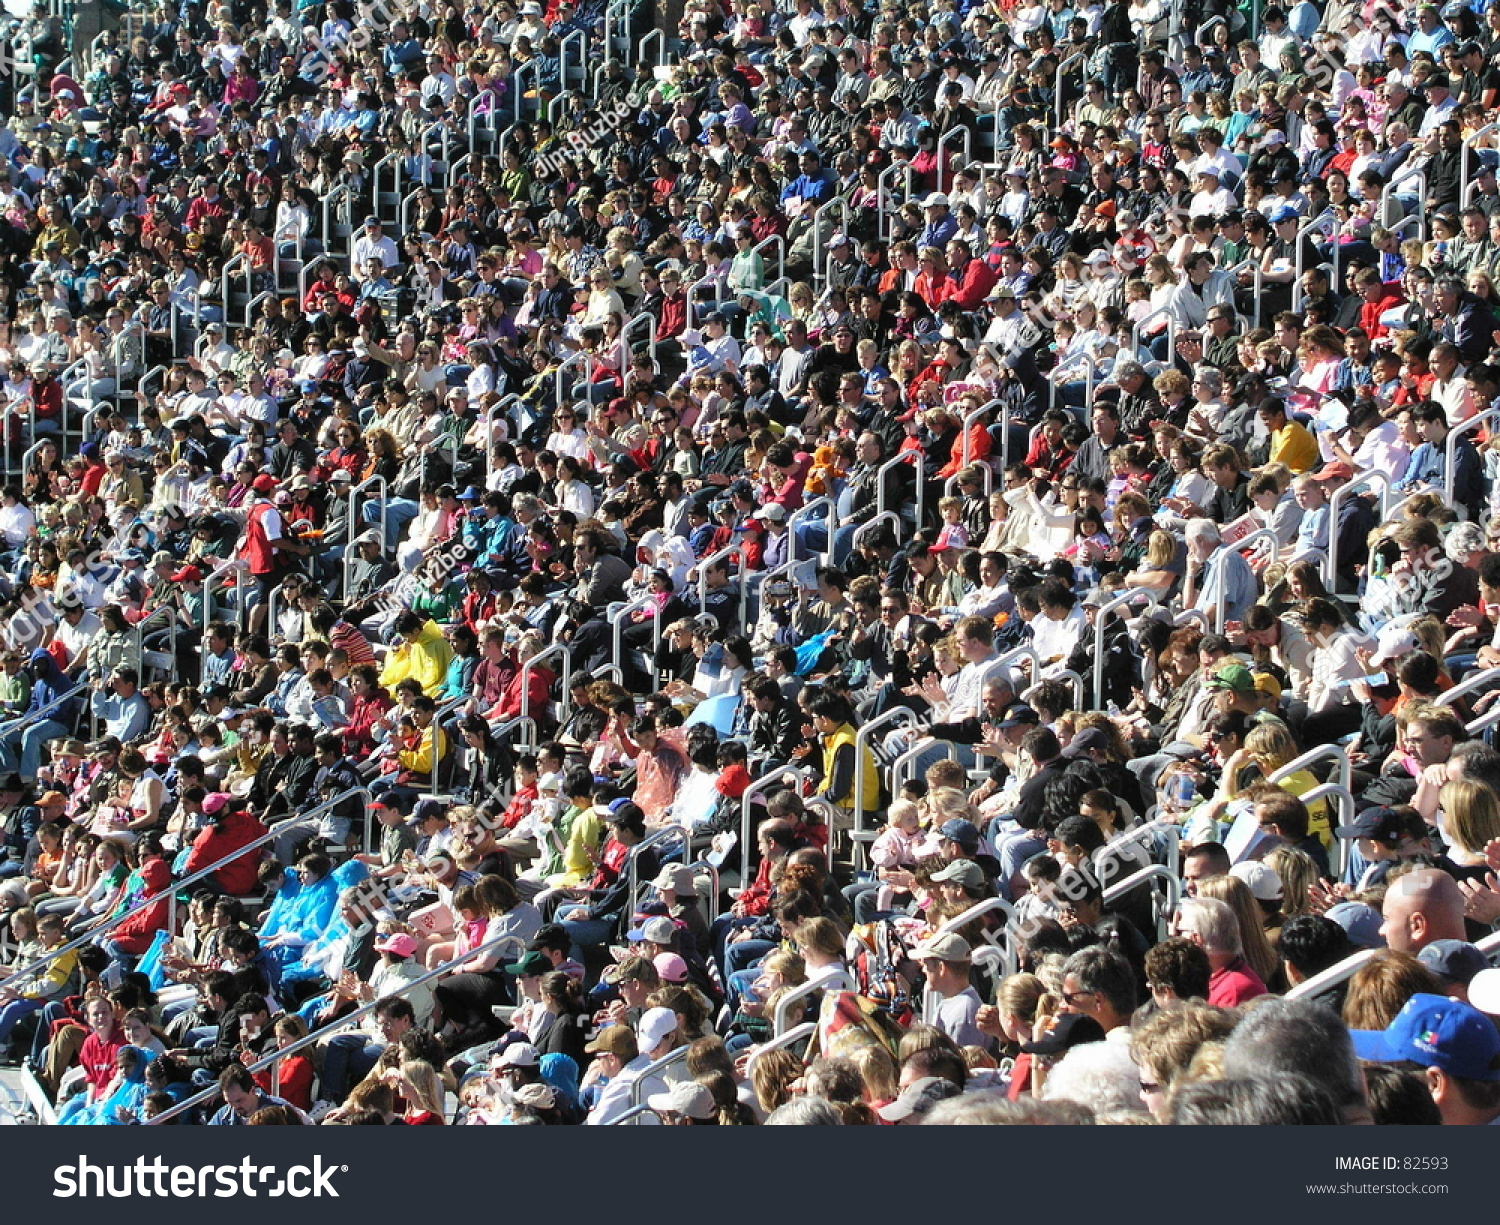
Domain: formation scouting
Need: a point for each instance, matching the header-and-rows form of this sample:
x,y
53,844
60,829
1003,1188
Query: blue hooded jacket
x,y
50,683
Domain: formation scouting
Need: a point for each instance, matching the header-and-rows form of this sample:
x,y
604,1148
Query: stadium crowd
x,y
796,564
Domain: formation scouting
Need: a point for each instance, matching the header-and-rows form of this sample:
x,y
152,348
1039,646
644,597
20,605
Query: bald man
x,y
1420,907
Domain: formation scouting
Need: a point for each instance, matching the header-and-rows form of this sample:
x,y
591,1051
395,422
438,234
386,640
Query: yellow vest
x,y
865,762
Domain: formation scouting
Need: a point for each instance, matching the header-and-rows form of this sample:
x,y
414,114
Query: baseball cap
x,y
1457,961
1234,677
264,483
627,969
1361,923
1380,823
1484,992
935,199
1284,213
1018,714
918,1098
958,830
1090,740
188,574
773,511
1072,1029
654,1026
946,947
963,872
1436,1032
538,1096
398,943
529,966
1392,642
518,1055
612,1040
660,930
213,802
687,1098
1262,881
51,797
671,967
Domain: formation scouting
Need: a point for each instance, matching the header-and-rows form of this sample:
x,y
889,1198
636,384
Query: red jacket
x,y
363,712
135,934
1370,312
234,831
979,449
970,287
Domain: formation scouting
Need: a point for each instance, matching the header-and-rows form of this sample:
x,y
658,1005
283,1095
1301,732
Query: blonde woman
x,y
421,1093
1267,748
1298,872
1469,817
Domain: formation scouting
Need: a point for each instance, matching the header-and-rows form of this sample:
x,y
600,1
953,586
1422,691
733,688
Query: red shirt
x,y
98,1060
1233,985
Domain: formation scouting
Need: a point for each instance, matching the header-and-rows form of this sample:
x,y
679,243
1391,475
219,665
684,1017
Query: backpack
x,y
882,968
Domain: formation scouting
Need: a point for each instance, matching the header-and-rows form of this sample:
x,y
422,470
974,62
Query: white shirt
x,y
1330,665
367,248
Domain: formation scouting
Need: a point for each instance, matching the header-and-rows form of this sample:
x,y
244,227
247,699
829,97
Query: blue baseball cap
x,y
1436,1032
1361,923
1285,213
965,833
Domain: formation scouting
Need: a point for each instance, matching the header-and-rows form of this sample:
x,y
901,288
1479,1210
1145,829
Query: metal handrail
x,y
582,39
777,778
557,648
1450,447
1123,599
645,317
1135,332
797,1032
909,755
992,939
667,833
1476,680
1470,141
339,193
901,457
780,243
805,511
1344,816
869,526
1389,190
617,624
232,567
1171,894
1251,265
862,734
678,1054
1147,835
1057,120
1331,574
233,262
168,894
523,722
341,1023
883,195
656,38
839,980
1221,560
1322,752
712,560
376,482
842,205
1080,689
1320,222
942,144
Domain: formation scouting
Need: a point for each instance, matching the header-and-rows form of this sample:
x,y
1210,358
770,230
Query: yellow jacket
x,y
425,660
429,751
865,762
